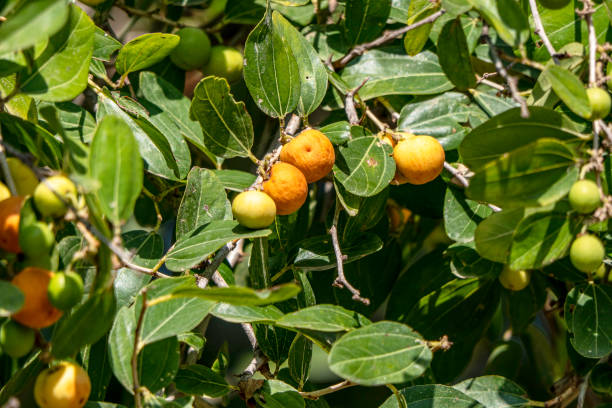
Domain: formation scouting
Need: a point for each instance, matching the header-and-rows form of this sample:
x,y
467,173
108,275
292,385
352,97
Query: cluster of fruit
x,y
194,51
307,158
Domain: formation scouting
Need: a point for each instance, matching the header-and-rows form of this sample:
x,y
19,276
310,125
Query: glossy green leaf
x,y
60,72
104,45
12,299
235,180
432,396
415,39
78,123
121,346
246,314
271,71
327,318
158,363
146,247
278,394
454,56
507,17
380,353
200,380
466,262
23,377
492,103
317,253
399,10
127,285
493,236
589,319
364,167
243,296
570,89
462,216
456,7
365,19
116,164
96,362
494,392
341,132
145,51
300,357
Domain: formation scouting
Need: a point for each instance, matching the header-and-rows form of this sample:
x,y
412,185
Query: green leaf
x,y
23,377
158,363
341,132
392,72
146,247
227,126
96,362
317,254
200,380
86,325
235,180
116,164
192,250
456,7
466,262
365,19
534,175
455,56
570,89
433,396
238,295
326,318
127,285
494,392
60,72
145,51
271,71
369,213
32,23
278,394
491,103
246,314
493,236
313,75
104,45
300,357
380,353
416,39
121,346
462,216
78,123
364,167
204,200
507,17
588,313
399,11
12,299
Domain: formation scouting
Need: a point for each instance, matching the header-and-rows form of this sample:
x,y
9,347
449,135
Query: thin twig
x,y
539,30
349,103
328,390
205,276
137,346
587,13
386,37
8,177
457,174
380,124
341,281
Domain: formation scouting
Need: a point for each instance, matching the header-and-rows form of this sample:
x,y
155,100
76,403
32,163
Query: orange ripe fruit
x,y
399,178
37,311
287,187
10,209
312,153
420,159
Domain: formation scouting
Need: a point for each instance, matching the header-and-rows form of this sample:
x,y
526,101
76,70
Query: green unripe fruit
x,y
587,253
254,209
514,280
193,51
16,340
584,196
24,178
600,273
65,290
601,378
224,62
46,196
554,4
600,102
36,239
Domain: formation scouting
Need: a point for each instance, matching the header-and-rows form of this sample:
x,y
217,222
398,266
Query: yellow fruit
x,y
287,187
584,196
9,223
193,50
224,62
420,159
4,191
311,152
399,179
48,192
587,253
514,280
600,102
387,138
23,176
254,209
37,311
65,385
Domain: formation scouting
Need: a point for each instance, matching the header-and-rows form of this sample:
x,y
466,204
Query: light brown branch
x,y
349,103
539,30
328,390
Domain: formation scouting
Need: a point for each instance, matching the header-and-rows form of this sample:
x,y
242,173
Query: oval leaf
x,y
327,318
238,295
570,89
455,56
145,51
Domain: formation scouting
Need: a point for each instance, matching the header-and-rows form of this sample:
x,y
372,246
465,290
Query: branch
x,y
349,103
205,276
8,177
463,181
149,14
539,30
587,14
387,36
134,361
341,281
328,390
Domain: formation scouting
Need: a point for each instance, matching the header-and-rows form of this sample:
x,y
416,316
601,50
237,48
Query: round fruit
x,y
554,4
193,51
224,62
46,196
601,378
65,385
16,340
9,223
514,280
600,273
399,179
254,209
37,312
600,102
287,187
587,253
65,290
311,152
419,158
23,176
4,191
36,239
387,138
584,196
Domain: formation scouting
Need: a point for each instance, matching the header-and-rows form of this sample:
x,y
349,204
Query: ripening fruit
x,y
9,223
398,216
600,273
224,62
193,51
420,159
601,379
36,239
514,280
4,191
387,138
399,178
65,385
287,187
24,178
600,102
47,201
92,2
37,312
254,209
554,4
584,196
16,340
311,152
65,290
587,253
